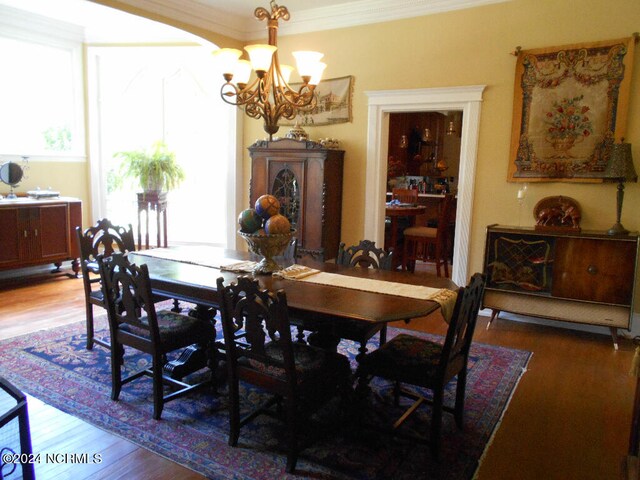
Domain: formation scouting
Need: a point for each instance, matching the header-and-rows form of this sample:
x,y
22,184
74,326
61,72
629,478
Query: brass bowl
x,y
267,246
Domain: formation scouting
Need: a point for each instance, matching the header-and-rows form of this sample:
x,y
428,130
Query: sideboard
x,y
36,232
585,277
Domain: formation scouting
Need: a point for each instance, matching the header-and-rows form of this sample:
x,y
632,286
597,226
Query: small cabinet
x,y
307,179
581,277
39,231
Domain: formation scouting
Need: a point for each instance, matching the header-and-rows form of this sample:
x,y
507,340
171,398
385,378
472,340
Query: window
x,y
40,93
147,94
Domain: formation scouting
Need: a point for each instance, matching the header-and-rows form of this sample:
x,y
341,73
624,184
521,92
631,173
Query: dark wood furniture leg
x,y
494,315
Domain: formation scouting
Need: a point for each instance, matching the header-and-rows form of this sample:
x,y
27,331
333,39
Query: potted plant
x,y
156,169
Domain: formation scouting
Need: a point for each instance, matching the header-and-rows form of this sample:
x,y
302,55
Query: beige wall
x,y
470,47
467,47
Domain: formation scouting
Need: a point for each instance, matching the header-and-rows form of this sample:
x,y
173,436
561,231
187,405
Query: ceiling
x,y
233,18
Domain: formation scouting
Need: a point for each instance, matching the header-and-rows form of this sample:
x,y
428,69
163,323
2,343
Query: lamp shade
x,y
242,71
307,62
226,59
285,71
260,56
620,167
316,76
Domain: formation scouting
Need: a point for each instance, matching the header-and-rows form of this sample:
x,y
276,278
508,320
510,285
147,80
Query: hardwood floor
x,y
569,418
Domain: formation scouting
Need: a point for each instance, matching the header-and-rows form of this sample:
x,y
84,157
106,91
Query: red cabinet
x,y
35,232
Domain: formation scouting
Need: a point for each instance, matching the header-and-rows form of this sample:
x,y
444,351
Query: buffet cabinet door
x,y
596,270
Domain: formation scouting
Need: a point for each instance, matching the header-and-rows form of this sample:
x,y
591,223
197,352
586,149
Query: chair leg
x,y
436,421
117,354
158,400
292,454
396,394
405,251
460,392
234,412
383,335
362,350
89,308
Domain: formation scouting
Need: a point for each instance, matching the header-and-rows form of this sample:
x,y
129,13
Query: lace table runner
x,y
444,297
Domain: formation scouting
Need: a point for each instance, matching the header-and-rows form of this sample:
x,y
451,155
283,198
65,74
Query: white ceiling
x,y
233,18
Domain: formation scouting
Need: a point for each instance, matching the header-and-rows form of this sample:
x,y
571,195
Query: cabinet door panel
x,y
54,239
9,235
595,270
287,182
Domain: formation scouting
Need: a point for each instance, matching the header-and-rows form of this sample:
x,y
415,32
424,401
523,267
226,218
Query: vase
x,y
562,145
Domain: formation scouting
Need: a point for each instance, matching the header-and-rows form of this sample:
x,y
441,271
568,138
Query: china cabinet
x,y
307,179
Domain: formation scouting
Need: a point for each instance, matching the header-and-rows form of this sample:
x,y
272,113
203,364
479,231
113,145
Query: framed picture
x,y
333,104
570,106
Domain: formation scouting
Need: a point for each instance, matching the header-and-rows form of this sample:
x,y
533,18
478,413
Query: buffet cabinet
x,y
36,232
306,178
582,277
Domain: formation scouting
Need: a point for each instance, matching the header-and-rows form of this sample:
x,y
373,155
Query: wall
x,y
466,47
470,47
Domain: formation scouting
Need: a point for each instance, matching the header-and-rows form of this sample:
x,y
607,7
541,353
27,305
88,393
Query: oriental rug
x,y
54,366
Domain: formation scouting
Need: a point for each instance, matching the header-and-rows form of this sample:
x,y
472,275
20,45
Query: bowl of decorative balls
x,y
266,231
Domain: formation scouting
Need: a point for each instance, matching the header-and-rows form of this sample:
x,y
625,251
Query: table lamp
x,y
621,170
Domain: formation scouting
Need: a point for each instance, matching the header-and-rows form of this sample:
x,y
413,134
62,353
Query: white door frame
x,y
383,102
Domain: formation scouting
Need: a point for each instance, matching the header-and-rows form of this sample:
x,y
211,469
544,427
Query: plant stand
x,y
154,202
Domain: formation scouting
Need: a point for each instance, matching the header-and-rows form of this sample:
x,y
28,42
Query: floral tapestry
x,y
570,106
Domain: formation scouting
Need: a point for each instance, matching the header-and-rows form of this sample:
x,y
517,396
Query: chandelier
x,y
269,95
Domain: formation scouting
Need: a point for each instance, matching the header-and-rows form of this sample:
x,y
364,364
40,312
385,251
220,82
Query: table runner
x,y
444,297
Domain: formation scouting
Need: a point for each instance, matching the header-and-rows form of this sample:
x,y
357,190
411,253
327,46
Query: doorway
x,y
380,105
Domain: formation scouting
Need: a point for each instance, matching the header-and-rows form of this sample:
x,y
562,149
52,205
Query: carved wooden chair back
x,y
135,322
455,351
259,351
251,318
103,238
365,254
408,359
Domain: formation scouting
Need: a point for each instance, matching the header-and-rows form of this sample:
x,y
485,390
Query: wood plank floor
x,y
569,418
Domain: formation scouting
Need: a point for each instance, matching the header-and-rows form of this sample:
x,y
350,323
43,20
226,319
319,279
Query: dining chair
x,y
429,243
259,351
407,359
366,255
405,195
103,238
134,322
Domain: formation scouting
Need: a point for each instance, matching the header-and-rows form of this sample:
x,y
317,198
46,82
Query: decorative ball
x,y
249,220
267,206
277,224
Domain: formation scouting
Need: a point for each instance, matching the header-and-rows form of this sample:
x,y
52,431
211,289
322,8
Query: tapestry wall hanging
x,y
334,103
570,106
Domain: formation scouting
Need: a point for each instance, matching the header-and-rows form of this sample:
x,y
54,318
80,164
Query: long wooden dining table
x,y
189,273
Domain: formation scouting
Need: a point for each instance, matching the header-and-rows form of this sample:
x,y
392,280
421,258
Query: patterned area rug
x,y
54,366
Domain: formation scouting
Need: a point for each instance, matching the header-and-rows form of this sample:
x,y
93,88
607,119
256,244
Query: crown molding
x,y
348,14
25,25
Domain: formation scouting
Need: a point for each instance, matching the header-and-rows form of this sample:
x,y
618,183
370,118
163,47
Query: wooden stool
x,y
156,202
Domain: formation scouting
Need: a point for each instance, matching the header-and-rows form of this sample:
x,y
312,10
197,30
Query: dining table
x,y
189,274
